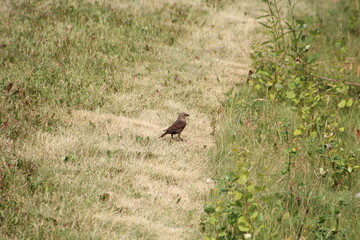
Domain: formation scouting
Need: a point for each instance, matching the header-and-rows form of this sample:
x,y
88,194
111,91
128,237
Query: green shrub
x,y
300,131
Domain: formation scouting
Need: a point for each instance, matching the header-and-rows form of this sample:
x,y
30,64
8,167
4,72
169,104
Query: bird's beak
x,y
187,115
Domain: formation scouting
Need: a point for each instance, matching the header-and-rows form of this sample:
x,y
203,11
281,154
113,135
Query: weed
x,y
298,131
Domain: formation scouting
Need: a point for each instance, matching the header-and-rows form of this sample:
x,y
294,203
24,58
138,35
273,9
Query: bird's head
x,y
183,115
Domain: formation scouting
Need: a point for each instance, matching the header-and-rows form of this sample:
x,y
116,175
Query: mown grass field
x,y
86,89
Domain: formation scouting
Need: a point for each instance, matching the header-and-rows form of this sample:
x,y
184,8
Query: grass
x,y
260,128
72,54
341,40
58,57
289,189
86,88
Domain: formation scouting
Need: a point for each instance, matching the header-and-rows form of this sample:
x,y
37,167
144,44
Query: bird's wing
x,y
178,124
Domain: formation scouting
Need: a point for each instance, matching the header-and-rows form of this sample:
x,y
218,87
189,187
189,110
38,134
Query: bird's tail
x,y
162,135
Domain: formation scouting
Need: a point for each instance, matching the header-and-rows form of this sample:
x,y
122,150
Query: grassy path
x,y
115,178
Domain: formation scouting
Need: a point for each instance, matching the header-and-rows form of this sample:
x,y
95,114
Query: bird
x,y
177,127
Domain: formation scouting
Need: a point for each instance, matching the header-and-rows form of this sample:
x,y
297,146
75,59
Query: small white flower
x,y
322,171
209,180
357,195
247,235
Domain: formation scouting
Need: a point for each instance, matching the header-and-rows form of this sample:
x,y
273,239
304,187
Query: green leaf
x,y
254,215
268,199
297,132
265,25
342,104
250,188
290,94
321,220
300,21
278,87
209,209
243,224
138,139
349,103
266,42
244,229
212,220
238,195
263,16
315,32
263,73
291,85
313,134
312,58
242,219
242,179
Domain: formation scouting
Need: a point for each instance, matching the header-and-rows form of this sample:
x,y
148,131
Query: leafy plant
x,y
286,72
234,211
299,120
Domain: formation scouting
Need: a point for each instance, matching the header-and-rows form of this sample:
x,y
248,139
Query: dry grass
x,y
114,177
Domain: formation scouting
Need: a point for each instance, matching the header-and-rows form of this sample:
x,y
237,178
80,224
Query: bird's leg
x,y
172,136
180,137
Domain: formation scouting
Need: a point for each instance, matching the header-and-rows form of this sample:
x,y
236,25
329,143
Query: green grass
x,y
339,43
264,131
293,188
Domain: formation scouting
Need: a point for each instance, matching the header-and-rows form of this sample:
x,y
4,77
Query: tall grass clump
x,y
295,138
341,41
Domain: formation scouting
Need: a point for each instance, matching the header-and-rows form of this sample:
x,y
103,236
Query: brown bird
x,y
177,127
